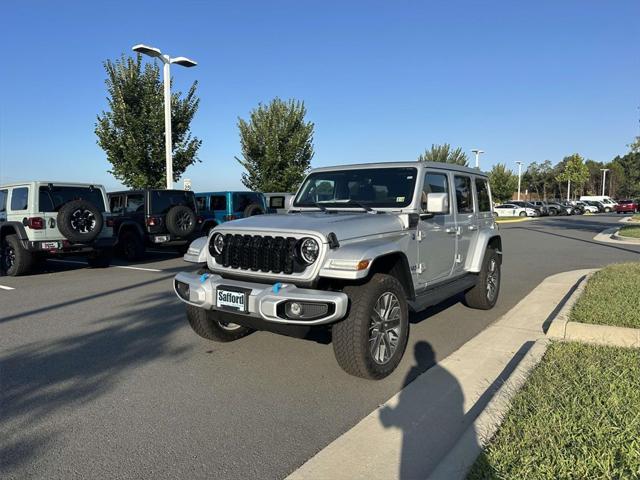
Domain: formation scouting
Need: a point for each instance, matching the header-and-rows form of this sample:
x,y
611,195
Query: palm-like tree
x,y
444,154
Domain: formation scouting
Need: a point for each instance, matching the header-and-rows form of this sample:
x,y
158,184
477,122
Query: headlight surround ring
x,y
217,243
308,250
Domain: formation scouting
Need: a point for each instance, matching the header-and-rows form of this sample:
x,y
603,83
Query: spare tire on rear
x,y
253,209
181,221
80,221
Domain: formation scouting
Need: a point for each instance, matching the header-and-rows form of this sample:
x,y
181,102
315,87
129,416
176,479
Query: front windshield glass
x,y
366,187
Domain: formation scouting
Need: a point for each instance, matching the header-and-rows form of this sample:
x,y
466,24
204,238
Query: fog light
x,y
183,290
306,310
296,309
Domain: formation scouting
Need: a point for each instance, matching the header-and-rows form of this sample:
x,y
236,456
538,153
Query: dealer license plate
x,y
231,299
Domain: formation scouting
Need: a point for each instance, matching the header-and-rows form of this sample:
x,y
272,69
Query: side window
x,y
19,198
219,202
115,204
464,198
135,203
276,202
435,183
3,204
202,203
484,202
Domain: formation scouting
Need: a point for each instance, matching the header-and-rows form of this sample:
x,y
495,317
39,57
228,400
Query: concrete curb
x,y
607,236
616,236
515,220
463,455
558,325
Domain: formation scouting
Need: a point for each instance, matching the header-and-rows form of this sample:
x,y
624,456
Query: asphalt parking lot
x,y
101,377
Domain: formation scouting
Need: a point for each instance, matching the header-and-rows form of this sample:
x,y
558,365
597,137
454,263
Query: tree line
x,y
277,144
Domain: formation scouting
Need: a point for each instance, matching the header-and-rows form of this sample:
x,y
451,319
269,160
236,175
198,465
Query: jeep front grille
x,y
259,253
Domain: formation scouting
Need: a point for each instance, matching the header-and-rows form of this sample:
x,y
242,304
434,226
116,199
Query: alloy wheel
x,y
384,328
493,277
83,221
8,258
184,221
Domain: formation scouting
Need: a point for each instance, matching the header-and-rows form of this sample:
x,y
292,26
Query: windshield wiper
x,y
361,205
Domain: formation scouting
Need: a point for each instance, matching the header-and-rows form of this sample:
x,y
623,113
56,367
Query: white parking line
x,y
3,287
112,266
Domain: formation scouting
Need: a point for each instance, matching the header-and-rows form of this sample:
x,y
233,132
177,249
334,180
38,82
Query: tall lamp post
x,y
167,61
477,152
604,178
519,178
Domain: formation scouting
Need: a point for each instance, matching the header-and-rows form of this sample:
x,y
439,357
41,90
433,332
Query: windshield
x,y
163,200
369,187
52,198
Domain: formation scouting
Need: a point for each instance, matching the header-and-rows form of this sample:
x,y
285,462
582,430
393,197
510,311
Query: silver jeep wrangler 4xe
x,y
360,247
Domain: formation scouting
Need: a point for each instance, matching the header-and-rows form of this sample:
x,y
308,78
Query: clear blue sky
x,y
381,80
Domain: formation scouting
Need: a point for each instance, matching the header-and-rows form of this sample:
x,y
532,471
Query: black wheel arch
x,y
395,264
130,226
13,228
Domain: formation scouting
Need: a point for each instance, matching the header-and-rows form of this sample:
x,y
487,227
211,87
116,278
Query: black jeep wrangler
x,y
158,218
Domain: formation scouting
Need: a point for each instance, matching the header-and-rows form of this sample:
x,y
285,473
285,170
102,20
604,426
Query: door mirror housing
x,y
435,203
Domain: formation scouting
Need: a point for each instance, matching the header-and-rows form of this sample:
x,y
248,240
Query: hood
x,y
345,225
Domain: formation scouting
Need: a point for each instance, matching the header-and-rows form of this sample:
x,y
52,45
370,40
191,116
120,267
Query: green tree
x,y
444,154
627,180
574,172
503,182
132,132
277,146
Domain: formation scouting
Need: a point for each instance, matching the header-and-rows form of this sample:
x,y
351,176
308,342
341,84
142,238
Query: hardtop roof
x,y
414,164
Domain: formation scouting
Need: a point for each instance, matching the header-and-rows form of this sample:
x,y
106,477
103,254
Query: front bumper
x,y
263,300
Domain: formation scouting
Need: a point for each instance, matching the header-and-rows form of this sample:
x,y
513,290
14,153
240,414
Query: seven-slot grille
x,y
259,253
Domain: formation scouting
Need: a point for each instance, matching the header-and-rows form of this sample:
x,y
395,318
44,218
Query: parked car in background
x,y
530,205
544,208
278,202
216,208
512,210
599,206
586,207
43,219
150,217
626,206
608,202
558,209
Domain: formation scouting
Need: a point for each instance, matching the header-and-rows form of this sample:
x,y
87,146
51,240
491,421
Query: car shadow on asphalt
x,y
42,380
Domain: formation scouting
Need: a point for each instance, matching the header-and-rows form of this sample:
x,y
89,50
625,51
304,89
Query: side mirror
x,y
436,203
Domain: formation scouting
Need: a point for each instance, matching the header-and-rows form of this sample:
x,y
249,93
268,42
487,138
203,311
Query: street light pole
x,y
519,177
604,178
477,152
167,61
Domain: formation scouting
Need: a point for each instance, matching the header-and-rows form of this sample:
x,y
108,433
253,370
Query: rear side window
x,y
135,203
115,203
484,202
19,198
276,202
243,200
436,183
3,200
50,199
219,202
464,198
202,203
163,200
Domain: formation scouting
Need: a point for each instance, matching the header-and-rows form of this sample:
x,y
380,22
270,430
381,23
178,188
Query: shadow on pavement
x,y
40,379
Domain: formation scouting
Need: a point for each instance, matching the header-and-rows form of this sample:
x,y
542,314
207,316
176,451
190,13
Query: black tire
x,y
100,258
205,324
253,209
479,296
351,336
552,212
80,221
607,210
181,221
15,259
131,245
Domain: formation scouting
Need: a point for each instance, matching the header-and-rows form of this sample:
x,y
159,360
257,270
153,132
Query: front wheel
x,y
523,214
208,324
607,210
484,294
370,342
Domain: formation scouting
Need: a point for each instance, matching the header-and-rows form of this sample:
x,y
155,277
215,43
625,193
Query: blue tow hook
x,y
276,287
203,277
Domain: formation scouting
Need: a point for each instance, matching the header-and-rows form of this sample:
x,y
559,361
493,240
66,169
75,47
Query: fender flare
x,y
130,225
479,246
18,227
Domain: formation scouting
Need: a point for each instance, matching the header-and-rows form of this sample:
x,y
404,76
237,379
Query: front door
x,y
466,221
436,235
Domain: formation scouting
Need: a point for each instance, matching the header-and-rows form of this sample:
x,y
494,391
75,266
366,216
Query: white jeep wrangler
x,y
360,246
40,219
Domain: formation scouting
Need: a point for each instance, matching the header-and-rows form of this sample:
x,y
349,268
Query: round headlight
x,y
309,250
218,243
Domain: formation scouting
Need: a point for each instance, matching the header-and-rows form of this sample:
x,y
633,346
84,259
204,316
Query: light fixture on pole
x,y
519,177
477,152
167,61
604,177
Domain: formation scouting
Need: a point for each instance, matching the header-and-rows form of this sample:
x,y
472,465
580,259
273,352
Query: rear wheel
x,y
370,342
15,259
131,245
523,214
484,294
207,324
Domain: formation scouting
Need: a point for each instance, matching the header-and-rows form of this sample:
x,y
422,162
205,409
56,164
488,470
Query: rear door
x,y
3,204
466,219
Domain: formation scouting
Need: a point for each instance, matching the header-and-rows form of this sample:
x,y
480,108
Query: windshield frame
x,y
347,204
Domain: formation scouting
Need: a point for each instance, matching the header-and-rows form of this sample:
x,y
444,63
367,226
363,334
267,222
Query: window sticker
x,y
399,199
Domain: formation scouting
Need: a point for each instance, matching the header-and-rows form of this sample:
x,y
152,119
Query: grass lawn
x,y
577,417
611,297
636,218
632,231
